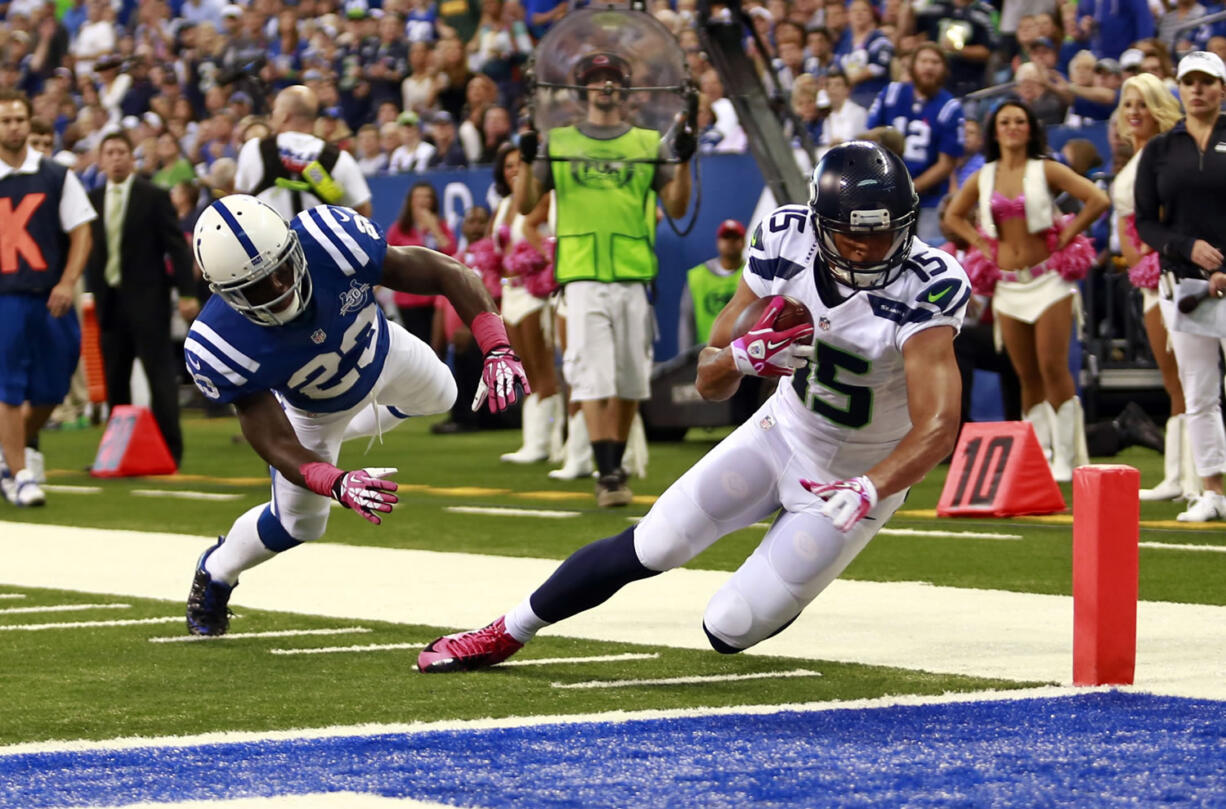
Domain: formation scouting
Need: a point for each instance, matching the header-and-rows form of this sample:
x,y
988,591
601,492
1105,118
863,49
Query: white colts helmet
x,y
240,242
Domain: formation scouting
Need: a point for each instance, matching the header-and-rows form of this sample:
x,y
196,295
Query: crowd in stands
x,y
413,84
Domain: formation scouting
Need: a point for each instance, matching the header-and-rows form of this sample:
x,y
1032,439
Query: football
x,y
794,314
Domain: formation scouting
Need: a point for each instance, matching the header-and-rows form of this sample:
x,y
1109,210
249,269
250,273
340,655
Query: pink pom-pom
x,y
982,270
541,284
1146,272
1075,260
483,256
524,260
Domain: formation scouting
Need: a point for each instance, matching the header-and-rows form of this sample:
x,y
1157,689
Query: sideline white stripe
x,y
616,717
549,661
85,624
513,512
225,346
12,595
60,488
197,348
326,243
310,800
185,494
61,608
338,232
916,532
717,678
279,633
370,647
1165,546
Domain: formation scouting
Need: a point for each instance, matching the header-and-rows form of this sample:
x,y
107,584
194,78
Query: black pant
x,y
133,338
975,350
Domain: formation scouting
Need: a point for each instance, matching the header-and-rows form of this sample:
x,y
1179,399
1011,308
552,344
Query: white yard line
x,y
912,625
279,633
63,488
92,624
514,512
370,647
12,595
604,717
550,661
184,494
61,608
315,800
1169,546
916,532
715,678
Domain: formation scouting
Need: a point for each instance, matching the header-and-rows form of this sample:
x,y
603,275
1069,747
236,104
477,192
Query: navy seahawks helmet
x,y
857,188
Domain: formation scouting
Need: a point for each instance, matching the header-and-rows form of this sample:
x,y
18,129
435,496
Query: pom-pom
x,y
524,259
1146,272
541,284
483,256
982,270
1075,260
502,238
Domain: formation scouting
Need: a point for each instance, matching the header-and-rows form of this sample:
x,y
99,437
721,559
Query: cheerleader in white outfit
x,y
1029,259
1146,108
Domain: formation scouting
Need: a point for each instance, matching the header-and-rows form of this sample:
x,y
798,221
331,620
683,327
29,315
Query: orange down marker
x,y
1106,529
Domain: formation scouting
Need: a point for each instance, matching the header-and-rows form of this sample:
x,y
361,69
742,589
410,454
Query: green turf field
x,y
101,682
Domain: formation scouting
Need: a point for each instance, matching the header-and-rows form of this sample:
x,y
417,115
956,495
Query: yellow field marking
x,y
1060,519
715,678
554,495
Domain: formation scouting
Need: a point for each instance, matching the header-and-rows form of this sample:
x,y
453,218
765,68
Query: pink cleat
x,y
478,649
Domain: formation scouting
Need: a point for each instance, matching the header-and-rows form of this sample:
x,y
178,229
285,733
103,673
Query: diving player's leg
x,y
801,554
295,515
733,486
414,382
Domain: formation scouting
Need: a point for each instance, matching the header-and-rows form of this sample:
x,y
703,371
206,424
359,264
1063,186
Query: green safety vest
x,y
606,212
710,293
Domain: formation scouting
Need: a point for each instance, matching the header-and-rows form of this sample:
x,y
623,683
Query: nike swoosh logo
x,y
772,345
934,298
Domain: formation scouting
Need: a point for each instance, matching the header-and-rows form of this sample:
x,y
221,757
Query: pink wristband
x,y
489,332
320,477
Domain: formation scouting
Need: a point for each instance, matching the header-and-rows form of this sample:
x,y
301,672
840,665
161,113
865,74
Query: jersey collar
x,y
28,166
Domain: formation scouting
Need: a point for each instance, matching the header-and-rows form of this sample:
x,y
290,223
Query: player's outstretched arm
x,y
934,401
272,437
426,272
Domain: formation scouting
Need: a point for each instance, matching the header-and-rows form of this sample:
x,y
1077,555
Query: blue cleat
x,y
208,612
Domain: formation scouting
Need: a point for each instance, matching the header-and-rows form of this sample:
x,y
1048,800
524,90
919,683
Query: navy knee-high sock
x,y
589,577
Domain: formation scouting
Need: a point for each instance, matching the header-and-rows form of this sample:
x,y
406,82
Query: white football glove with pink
x,y
847,501
766,351
362,490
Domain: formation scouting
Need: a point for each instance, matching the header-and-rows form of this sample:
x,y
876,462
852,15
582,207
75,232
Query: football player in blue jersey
x,y
930,120
295,340
831,454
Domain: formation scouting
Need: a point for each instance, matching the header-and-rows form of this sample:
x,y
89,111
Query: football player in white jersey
x,y
294,338
867,404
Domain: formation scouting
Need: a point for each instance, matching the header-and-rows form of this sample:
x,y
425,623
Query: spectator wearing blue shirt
x,y
541,14
930,119
1090,91
864,53
1113,25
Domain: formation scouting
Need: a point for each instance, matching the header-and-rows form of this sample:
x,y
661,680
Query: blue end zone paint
x,y
1097,750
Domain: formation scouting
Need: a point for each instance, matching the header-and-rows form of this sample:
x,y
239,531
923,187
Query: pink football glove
x,y
361,490
847,501
503,380
763,351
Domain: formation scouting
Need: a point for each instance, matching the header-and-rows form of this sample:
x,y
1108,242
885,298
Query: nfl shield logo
x,y
318,337
823,323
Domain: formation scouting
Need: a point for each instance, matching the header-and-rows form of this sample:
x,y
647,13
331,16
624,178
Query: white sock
x,y
241,550
373,421
522,623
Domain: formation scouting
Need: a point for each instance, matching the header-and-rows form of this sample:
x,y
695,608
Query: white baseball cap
x,y
1201,62
1133,57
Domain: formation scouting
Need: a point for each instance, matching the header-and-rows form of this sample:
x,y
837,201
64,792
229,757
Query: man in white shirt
x,y
846,119
413,154
293,170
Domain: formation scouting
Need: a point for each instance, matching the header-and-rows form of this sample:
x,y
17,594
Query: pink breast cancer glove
x,y
362,490
847,501
764,351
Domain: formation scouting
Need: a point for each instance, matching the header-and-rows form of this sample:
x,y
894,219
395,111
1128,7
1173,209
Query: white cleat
x,y
1208,506
22,490
37,465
